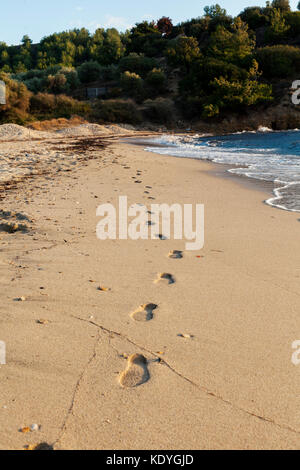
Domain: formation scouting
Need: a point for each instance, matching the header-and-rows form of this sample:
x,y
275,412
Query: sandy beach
x,y
210,353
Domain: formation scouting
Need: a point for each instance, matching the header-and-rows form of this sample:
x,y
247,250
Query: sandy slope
x,y
230,386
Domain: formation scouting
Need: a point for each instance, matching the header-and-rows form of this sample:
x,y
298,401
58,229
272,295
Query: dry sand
x,y
203,363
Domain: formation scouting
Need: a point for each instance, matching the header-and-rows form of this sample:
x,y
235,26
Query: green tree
x,y
89,71
214,11
156,81
282,5
278,29
133,85
183,51
232,46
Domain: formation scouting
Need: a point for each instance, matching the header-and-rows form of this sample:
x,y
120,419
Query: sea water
x,y
264,155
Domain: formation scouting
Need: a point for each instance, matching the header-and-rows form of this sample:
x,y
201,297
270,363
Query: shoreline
x,y
218,348
222,170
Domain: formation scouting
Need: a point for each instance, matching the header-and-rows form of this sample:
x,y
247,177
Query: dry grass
x,y
56,124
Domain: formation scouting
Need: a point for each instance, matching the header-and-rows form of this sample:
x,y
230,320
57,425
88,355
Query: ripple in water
x,y
264,155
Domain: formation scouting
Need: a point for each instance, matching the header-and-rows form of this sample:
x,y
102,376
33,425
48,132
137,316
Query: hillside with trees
x,y
210,69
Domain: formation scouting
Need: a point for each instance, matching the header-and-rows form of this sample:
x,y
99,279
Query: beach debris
x,y
175,254
32,428
20,299
41,446
25,430
12,227
103,289
185,336
42,321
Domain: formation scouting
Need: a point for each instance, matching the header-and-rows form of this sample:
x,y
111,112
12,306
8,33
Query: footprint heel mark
x,y
136,372
144,313
166,278
175,254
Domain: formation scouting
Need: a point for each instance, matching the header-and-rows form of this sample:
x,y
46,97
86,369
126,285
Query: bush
x,y
17,101
161,110
89,71
137,63
292,20
42,103
254,17
117,111
156,81
132,84
48,106
34,84
278,61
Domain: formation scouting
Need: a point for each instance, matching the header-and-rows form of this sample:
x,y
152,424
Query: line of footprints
x,y
137,372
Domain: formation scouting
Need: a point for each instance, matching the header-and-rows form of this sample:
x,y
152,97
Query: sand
x,y
203,362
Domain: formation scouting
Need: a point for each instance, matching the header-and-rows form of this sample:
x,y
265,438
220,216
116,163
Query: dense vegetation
x,y
203,68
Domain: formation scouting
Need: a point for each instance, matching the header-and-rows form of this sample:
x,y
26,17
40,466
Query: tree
x,y
282,5
183,51
132,84
145,38
89,71
165,25
232,46
137,63
254,17
156,82
214,11
278,28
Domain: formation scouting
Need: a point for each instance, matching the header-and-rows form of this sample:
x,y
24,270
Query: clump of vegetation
x,y
160,110
279,61
54,106
16,109
116,111
207,67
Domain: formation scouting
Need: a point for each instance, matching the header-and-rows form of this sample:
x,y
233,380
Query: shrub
x,y
42,103
116,111
137,63
132,85
89,71
278,61
292,20
34,84
17,101
160,110
50,106
254,17
156,81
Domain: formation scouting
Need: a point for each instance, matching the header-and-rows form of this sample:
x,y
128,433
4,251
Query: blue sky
x,y
39,18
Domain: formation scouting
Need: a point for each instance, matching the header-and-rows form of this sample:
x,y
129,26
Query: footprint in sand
x,y
175,254
144,313
136,372
166,278
162,237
